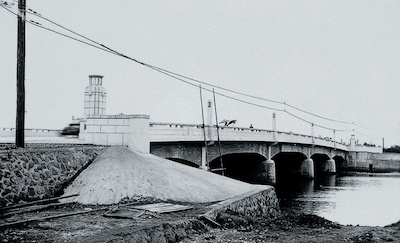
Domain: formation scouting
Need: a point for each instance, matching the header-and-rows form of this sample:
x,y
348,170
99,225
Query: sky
x,y
335,59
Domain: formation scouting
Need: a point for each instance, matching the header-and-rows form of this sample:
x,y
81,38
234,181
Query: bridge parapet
x,y
167,132
368,149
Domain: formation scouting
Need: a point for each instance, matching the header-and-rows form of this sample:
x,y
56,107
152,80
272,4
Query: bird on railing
x,y
228,122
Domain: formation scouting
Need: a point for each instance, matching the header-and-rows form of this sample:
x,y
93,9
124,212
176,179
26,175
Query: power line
x,y
254,104
192,79
179,76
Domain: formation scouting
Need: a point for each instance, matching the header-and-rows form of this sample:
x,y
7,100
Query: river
x,y
355,200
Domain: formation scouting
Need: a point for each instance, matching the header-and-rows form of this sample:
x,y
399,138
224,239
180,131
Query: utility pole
x,y
20,121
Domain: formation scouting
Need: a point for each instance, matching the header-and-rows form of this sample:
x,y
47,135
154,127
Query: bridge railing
x,y
31,132
163,132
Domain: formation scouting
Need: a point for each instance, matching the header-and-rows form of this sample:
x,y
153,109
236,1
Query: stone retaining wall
x,y
257,203
32,174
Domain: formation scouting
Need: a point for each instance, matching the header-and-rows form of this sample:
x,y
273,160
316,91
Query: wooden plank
x,y
44,201
32,208
218,169
129,214
171,207
153,205
210,221
48,217
163,207
175,209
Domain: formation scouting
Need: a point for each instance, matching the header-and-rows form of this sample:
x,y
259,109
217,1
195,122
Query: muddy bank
x,y
187,227
293,228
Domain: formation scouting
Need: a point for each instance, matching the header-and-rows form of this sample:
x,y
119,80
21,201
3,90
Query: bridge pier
x,y
203,165
328,167
267,172
307,168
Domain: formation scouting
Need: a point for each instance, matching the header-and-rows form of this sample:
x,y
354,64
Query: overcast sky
x,y
336,59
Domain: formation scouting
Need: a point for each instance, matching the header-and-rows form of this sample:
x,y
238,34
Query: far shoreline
x,y
370,174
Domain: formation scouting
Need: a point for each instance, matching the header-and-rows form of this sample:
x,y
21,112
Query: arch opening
x,y
289,181
288,165
245,167
341,164
319,160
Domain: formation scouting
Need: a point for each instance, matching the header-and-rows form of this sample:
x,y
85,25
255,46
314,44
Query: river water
x,y
354,200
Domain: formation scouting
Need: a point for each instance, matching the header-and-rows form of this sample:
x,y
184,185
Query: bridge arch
x,y
247,167
341,163
288,164
320,160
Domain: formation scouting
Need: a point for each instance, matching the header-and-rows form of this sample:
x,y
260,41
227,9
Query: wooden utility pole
x,y
20,121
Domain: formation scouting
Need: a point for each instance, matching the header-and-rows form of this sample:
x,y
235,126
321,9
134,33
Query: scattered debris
x,y
148,210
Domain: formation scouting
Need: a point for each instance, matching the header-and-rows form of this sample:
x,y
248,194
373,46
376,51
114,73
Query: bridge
x,y
249,154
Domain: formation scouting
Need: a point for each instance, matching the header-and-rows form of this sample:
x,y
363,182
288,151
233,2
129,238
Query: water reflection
x,y
372,201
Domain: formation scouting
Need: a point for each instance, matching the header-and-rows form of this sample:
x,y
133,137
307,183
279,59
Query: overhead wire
x,y
179,76
186,77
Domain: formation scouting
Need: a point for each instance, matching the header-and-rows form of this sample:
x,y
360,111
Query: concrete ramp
x,y
119,172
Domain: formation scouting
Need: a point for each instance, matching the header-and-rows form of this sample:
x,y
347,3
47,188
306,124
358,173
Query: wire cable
x,y
179,76
255,97
192,79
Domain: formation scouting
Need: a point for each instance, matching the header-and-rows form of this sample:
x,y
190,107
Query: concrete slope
x,y
120,172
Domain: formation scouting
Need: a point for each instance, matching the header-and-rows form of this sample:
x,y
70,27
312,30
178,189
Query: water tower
x,y
95,96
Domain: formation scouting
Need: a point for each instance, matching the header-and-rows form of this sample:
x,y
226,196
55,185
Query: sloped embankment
x,y
119,172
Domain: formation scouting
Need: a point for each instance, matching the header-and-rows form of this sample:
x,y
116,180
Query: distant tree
x,y
393,149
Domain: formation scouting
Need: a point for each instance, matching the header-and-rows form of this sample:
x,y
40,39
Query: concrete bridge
x,y
253,155
249,154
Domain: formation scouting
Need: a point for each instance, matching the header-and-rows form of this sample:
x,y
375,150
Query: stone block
x,y
122,129
107,129
101,139
115,139
126,122
93,128
125,139
101,121
118,122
